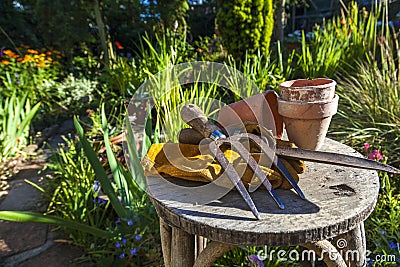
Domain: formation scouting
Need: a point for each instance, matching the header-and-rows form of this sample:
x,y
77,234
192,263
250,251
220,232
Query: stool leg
x,y
355,249
182,248
201,243
166,233
211,253
328,252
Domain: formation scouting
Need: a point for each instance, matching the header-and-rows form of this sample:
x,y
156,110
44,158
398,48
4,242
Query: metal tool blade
x,y
233,176
252,163
334,158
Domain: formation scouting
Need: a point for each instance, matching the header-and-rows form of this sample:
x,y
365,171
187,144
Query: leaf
x,y
100,172
133,160
33,217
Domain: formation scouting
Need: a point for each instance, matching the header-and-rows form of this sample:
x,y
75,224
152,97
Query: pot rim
x,y
308,110
287,85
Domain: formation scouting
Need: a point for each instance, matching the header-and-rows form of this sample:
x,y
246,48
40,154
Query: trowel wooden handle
x,y
194,116
190,136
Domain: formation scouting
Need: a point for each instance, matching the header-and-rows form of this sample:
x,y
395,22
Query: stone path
x,y
30,245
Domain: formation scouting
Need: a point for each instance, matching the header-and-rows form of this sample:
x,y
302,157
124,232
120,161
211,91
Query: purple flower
x,y
122,256
118,220
366,147
392,245
138,237
133,251
123,240
382,232
376,154
118,245
130,223
397,23
254,259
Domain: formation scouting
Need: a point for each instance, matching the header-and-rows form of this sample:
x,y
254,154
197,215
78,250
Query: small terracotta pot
x,y
307,122
261,108
320,89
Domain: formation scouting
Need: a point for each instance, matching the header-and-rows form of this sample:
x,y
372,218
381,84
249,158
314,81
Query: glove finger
x,y
285,184
298,165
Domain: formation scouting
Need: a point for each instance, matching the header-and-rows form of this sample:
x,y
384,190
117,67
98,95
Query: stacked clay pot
x,y
307,107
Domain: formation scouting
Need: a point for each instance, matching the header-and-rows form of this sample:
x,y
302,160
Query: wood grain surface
x,y
338,199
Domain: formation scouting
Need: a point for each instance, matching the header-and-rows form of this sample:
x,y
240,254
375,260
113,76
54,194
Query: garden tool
x,y
290,167
193,116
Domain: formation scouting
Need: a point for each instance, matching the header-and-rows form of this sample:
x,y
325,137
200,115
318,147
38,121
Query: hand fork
x,y
193,116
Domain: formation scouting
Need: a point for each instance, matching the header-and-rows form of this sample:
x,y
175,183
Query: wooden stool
x,y
339,199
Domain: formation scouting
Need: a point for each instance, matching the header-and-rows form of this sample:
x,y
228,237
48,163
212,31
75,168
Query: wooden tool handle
x,y
190,136
193,116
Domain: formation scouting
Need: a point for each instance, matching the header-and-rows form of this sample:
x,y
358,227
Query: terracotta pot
x,y
261,108
320,89
307,122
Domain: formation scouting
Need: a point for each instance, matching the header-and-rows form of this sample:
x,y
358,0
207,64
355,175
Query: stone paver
x,y
27,244
18,237
57,255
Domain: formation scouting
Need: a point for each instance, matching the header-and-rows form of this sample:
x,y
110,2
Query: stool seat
x,y
338,200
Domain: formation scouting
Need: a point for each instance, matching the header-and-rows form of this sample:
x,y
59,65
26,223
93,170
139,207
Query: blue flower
x,y
130,223
133,251
96,185
118,221
392,245
138,237
122,256
382,232
123,240
118,245
254,259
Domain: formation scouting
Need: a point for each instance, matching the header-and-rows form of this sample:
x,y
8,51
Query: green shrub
x,y
245,26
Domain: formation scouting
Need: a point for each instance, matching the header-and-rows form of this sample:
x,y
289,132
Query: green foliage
x,y
341,42
111,218
62,24
265,71
72,93
245,26
173,14
16,115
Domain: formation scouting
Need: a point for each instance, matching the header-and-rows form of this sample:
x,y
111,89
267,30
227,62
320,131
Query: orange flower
x,y
33,51
10,53
5,62
118,45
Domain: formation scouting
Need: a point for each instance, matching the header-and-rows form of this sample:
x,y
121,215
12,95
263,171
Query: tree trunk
x,y
104,40
280,20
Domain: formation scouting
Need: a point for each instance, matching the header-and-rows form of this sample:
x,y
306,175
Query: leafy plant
x,y
110,218
16,115
340,42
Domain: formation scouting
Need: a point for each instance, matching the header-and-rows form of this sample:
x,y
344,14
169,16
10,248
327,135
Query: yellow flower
x,y
27,58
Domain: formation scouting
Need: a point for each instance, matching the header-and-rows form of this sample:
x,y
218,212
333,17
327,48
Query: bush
x,y
245,26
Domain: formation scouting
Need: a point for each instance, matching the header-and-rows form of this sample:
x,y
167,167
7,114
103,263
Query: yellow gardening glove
x,y
186,161
165,160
